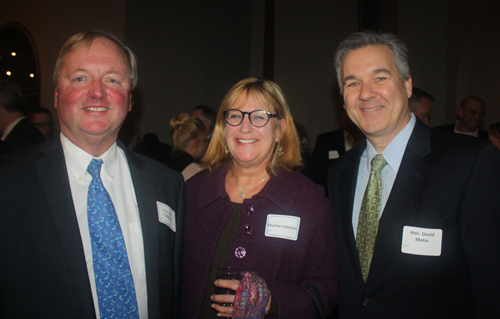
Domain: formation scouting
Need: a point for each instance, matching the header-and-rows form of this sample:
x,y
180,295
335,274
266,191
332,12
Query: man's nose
x,y
96,90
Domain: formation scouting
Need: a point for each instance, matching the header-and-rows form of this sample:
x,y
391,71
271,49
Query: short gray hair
x,y
86,38
361,40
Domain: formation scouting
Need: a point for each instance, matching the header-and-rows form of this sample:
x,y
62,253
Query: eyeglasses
x,y
42,125
258,118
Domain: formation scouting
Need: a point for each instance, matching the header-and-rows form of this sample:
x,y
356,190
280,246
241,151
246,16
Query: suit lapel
x,y
146,201
53,178
348,180
411,175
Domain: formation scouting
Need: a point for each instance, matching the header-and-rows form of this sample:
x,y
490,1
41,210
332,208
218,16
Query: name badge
x,y
333,154
282,226
166,215
422,241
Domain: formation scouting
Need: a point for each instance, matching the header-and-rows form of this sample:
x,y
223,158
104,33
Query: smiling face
x,y
471,115
93,95
250,146
375,95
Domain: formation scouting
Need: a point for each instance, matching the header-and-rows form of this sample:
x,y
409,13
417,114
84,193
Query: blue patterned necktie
x,y
113,279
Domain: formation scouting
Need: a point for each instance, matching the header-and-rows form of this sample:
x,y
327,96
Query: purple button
x,y
240,252
248,229
250,210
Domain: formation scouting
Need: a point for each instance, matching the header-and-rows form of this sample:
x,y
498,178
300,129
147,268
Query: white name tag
x,y
333,154
422,241
282,226
166,215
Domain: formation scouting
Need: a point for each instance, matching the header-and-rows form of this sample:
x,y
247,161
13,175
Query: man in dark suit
x,y
417,226
330,146
58,255
470,116
17,131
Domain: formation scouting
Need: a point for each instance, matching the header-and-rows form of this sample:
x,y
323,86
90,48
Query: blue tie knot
x,y
94,167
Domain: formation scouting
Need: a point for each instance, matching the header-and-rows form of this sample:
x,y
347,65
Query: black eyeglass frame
x,y
249,116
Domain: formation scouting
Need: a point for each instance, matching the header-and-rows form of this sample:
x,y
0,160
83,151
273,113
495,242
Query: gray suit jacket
x,y
43,273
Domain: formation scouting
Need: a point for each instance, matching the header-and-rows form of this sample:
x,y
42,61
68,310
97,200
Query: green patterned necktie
x,y
369,215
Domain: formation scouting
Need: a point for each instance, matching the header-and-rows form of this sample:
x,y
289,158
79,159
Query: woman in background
x,y
251,209
189,138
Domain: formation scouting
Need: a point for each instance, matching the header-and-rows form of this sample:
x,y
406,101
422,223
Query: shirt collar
x,y
455,130
10,127
393,153
77,160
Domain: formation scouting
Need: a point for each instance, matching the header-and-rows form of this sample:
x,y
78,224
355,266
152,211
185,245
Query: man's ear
x,y
409,86
56,95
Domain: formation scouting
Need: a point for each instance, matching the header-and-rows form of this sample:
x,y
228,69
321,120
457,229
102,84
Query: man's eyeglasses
x,y
258,118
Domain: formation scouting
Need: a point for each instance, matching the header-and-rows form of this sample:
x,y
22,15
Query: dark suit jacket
x,y
43,273
445,181
482,134
24,134
316,167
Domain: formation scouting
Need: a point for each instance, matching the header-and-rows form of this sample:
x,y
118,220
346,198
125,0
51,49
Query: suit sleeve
x,y
480,223
178,247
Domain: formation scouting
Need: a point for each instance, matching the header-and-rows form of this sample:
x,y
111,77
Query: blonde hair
x,y
184,129
86,38
274,99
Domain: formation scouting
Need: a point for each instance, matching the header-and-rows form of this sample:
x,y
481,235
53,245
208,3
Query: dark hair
x,y
416,98
471,98
361,40
11,97
208,113
86,38
37,110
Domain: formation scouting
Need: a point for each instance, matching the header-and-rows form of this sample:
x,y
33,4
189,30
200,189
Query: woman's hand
x,y
223,311
224,299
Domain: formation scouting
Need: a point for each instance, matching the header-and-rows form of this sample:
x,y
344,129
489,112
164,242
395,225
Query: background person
x,y
42,119
189,138
16,130
470,116
244,211
421,105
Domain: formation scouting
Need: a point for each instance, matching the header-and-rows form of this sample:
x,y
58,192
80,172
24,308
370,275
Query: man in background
x,y
16,130
42,119
421,105
207,115
470,118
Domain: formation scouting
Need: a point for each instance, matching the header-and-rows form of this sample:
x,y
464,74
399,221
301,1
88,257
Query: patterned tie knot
x,y
378,163
94,168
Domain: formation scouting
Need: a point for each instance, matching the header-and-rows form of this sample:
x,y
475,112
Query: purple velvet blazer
x,y
285,264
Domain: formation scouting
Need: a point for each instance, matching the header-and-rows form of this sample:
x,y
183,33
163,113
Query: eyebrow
x,y
375,72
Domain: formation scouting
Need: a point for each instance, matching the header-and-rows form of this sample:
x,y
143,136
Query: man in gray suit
x,y
54,246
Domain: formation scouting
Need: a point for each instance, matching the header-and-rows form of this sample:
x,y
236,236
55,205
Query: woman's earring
x,y
280,150
226,150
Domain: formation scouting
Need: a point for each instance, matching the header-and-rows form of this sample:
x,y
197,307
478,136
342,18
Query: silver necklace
x,y
242,192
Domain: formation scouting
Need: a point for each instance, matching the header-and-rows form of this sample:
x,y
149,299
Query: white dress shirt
x,y
115,175
393,154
